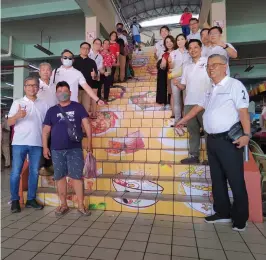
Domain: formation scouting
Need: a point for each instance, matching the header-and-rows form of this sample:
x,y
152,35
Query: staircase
x,y
138,156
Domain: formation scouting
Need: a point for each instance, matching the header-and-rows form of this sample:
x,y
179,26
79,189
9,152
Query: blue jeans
x,y
186,30
19,153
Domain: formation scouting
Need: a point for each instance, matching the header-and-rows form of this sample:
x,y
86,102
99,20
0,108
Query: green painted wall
x,y
246,33
259,71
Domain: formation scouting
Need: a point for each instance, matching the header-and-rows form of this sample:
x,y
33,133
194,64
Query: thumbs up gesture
x,y
21,112
93,74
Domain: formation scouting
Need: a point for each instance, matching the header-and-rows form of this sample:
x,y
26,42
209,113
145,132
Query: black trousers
x,y
226,163
107,83
161,94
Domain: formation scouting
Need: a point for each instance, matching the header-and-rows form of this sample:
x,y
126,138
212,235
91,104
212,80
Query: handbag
x,y
73,134
235,132
90,169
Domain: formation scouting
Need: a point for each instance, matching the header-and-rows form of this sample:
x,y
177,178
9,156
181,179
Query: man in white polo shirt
x,y
225,105
73,77
27,115
194,29
196,82
45,92
219,47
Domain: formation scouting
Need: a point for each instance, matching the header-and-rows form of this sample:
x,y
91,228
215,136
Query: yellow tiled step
x,y
145,155
147,115
142,88
145,142
134,128
134,83
156,203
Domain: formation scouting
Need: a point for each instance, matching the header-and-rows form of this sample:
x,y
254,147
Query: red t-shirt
x,y
114,48
109,59
185,18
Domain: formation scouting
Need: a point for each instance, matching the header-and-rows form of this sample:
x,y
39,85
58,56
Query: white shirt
x,y
220,50
205,50
195,35
46,94
179,58
197,81
28,130
222,103
98,58
72,76
135,29
160,49
124,38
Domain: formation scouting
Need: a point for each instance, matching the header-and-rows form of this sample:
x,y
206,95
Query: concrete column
x,y
20,74
92,28
218,16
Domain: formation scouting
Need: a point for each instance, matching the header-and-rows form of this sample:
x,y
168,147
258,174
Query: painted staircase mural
x,y
138,156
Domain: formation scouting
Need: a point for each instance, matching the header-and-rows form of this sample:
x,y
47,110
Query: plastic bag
x,y
90,170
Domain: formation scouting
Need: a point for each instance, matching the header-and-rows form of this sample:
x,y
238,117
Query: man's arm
x,y
192,113
245,120
45,136
89,91
16,116
87,127
231,51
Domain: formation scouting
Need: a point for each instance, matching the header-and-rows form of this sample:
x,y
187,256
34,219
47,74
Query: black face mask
x,y
134,21
119,30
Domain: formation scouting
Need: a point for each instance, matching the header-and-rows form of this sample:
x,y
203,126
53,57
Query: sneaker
x,y
239,228
217,219
33,204
191,160
15,206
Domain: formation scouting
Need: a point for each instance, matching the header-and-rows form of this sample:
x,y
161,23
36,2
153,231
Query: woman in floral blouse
x,y
109,60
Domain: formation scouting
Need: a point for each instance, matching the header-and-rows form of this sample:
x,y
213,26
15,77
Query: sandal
x,y
84,212
61,211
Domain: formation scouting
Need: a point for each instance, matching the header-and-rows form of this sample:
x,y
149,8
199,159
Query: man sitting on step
x,y
196,82
64,122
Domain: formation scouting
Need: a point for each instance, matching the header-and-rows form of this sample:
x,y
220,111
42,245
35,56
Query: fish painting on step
x,y
130,144
136,186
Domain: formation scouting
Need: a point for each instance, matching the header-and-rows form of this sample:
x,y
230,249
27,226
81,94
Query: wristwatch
x,y
249,135
226,46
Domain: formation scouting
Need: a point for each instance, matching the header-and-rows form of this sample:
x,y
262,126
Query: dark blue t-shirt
x,y
54,118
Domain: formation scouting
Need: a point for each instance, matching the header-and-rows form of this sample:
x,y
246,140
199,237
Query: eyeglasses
x,y
213,66
85,48
32,85
214,33
67,58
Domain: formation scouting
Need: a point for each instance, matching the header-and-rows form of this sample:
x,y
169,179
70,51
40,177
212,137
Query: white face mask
x,y
67,62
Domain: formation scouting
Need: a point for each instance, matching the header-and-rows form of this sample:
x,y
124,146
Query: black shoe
x,y
33,204
190,160
15,206
239,228
217,219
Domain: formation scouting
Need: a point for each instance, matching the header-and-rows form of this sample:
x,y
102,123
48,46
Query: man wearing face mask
x,y
135,28
73,77
66,153
123,43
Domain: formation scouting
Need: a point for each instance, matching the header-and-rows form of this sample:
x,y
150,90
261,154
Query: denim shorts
x,y
68,162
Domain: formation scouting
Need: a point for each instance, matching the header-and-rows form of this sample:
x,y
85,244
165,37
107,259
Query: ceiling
x,y
60,28
147,9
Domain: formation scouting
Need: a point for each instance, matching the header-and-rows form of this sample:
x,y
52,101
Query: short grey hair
x,y
222,57
45,64
32,78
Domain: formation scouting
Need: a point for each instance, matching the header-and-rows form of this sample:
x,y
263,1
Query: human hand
x,y
89,147
46,153
242,141
179,128
222,44
101,103
21,112
106,74
93,74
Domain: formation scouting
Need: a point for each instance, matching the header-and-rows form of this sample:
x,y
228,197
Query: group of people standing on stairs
x,y
182,61
194,71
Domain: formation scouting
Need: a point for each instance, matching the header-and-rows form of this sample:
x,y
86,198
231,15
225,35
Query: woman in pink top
x,y
109,61
184,21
